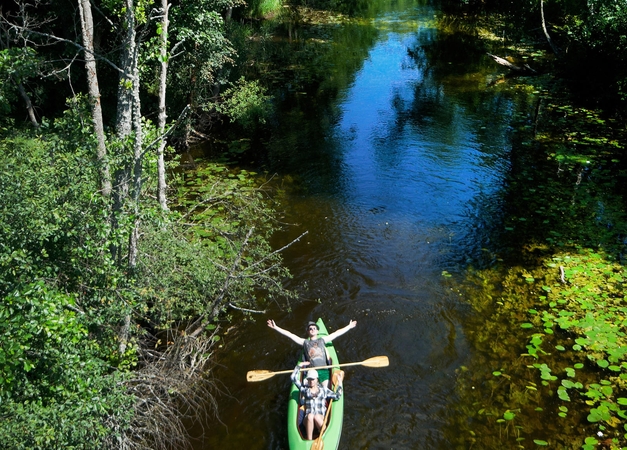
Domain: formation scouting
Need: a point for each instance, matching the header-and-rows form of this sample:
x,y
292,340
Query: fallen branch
x,y
502,61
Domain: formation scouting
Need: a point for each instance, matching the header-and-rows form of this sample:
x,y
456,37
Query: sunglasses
x,y
313,328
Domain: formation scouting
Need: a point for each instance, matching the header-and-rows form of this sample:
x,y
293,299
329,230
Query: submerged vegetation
x,y
555,303
550,339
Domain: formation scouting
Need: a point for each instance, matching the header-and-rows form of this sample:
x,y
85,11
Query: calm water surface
x,y
398,187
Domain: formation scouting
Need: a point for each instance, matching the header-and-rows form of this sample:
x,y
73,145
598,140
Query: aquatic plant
x,y
583,315
549,361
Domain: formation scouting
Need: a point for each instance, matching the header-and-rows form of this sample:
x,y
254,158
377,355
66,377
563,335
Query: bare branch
x,y
64,69
172,127
172,387
246,309
57,39
278,251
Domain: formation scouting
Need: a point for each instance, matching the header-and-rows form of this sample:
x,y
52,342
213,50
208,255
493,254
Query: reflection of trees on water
x,y
452,107
551,196
319,73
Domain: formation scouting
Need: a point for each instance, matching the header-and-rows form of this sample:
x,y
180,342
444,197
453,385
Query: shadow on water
x,y
394,160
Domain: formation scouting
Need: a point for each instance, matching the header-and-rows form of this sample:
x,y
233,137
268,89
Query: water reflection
x,y
398,174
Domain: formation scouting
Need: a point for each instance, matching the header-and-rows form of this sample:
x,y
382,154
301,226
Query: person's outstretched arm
x,y
299,340
296,374
341,331
296,377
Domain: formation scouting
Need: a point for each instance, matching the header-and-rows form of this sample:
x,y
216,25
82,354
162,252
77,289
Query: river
x,y
397,179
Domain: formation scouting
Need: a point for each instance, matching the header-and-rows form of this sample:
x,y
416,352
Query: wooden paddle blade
x,y
259,375
338,376
377,361
318,444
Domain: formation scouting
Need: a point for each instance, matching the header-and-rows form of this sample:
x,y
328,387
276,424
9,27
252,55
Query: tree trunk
x,y
137,170
87,25
163,53
129,120
138,146
554,47
124,119
29,105
520,69
124,123
23,93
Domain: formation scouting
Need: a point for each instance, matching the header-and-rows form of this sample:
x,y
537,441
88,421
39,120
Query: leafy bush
x,y
246,103
55,391
82,363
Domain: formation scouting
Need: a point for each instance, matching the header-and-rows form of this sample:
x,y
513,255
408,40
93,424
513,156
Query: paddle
x,y
318,444
376,361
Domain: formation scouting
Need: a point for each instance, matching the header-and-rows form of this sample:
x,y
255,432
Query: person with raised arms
x,y
313,347
315,397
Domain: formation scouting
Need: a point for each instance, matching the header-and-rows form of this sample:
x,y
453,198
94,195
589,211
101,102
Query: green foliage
x,y
557,322
263,8
67,287
203,51
42,196
53,221
187,260
598,34
246,103
118,9
55,392
17,65
588,303
66,290
57,389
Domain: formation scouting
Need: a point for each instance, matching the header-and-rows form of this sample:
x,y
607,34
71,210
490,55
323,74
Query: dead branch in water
x,y
519,69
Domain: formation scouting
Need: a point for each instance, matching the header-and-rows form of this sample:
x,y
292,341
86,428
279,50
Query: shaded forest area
x,y
580,42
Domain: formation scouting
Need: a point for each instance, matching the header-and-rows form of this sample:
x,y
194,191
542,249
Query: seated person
x,y
315,396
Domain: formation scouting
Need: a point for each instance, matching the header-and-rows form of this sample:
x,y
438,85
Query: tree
x,y
16,66
554,47
87,26
163,78
57,392
131,293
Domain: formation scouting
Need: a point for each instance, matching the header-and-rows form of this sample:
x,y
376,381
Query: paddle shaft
x,y
377,361
321,367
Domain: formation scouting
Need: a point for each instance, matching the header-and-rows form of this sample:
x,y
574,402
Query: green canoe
x,y
333,431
